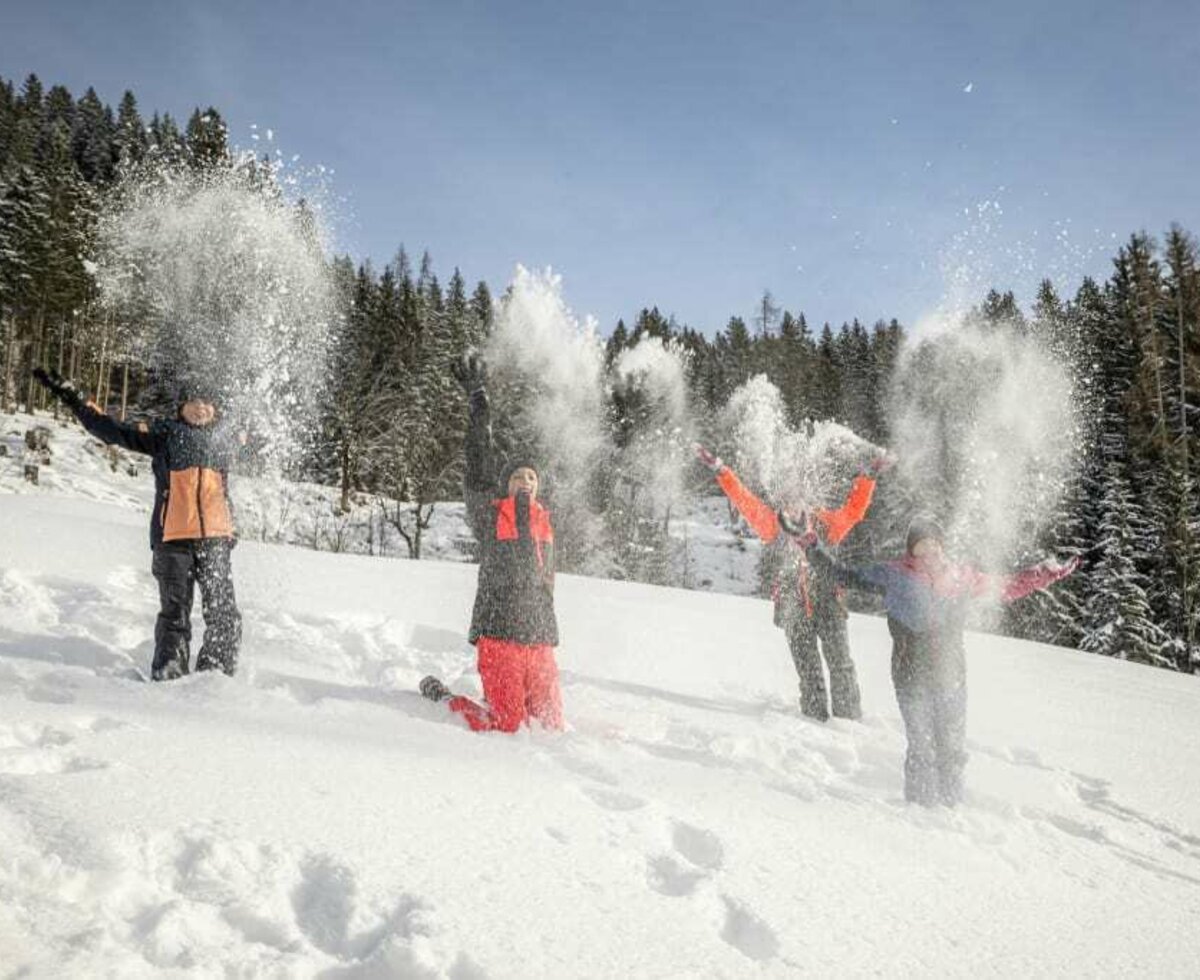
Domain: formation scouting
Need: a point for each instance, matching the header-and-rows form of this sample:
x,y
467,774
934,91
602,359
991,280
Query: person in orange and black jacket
x,y
191,525
809,608
513,625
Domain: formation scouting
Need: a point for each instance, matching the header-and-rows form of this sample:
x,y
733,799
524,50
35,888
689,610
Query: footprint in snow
x,y
330,915
747,933
587,768
613,799
698,854
667,876
702,847
31,750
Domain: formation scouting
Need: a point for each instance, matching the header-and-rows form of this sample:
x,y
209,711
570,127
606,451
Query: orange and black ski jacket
x,y
514,599
797,591
191,466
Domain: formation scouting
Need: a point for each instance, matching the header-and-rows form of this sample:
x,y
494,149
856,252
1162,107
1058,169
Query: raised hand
x,y
64,391
470,371
1059,569
707,459
881,463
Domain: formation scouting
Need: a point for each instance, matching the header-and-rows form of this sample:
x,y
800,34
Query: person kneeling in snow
x,y
927,599
513,625
808,607
191,525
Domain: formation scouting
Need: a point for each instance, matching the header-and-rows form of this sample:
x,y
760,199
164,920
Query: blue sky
x,y
691,155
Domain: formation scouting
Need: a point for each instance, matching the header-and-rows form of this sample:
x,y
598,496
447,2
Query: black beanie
x,y
921,528
512,465
194,390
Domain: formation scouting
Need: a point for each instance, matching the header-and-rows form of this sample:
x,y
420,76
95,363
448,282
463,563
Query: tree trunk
x,y
101,400
35,353
124,389
62,343
7,388
345,464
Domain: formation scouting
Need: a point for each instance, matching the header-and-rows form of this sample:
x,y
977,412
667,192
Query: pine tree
x,y
1119,620
131,139
30,107
92,139
826,379
1180,324
795,357
481,311
737,361
168,143
766,314
8,123
206,139
998,311
887,344
617,341
857,387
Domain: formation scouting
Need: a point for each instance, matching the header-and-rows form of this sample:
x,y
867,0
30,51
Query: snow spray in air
x,y
548,368
651,383
984,423
554,396
798,468
225,283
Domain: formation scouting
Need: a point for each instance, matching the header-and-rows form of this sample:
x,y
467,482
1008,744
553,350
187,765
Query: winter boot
x,y
430,687
812,703
170,670
206,661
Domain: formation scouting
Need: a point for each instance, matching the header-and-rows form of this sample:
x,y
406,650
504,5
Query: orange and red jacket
x,y
832,525
191,466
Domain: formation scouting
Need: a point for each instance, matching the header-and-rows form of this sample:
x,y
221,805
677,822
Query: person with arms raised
x,y
191,525
808,607
513,624
927,598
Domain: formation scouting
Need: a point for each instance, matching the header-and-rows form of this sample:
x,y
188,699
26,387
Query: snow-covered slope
x,y
313,816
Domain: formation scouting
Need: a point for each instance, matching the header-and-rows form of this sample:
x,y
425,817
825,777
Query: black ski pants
x,y
179,566
930,678
808,638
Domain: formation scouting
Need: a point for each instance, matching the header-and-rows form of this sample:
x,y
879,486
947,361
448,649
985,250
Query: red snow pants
x,y
519,683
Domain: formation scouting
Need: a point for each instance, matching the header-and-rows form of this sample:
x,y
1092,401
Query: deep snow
x,y
313,816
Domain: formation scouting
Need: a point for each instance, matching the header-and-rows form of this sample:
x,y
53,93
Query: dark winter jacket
x,y
190,466
799,592
514,599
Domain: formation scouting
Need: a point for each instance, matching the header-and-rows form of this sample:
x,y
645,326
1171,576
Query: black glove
x,y
522,507
471,372
64,391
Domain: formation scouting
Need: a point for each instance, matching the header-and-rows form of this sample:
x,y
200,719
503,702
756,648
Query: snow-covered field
x,y
314,817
